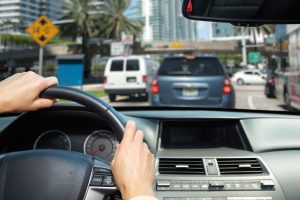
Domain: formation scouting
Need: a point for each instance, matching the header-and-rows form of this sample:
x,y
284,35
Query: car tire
x,y
240,81
268,92
112,97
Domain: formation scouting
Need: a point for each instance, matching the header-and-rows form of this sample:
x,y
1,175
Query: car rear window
x,y
117,65
133,65
191,67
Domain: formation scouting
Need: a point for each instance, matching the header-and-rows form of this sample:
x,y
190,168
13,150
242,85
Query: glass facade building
x,y
164,21
28,11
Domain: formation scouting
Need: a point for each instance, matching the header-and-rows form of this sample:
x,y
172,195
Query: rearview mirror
x,y
244,12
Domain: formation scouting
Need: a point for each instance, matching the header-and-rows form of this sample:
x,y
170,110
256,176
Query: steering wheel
x,y
61,175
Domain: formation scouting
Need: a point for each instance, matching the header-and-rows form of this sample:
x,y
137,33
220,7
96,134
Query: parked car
x,y
129,76
270,84
192,81
249,77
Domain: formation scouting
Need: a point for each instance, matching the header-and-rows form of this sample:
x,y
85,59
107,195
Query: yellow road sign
x,y
42,30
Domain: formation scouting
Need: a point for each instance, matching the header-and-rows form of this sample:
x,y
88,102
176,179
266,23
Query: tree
x,y
114,21
85,14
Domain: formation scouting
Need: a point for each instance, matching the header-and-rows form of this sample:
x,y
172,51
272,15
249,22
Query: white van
x,y
130,75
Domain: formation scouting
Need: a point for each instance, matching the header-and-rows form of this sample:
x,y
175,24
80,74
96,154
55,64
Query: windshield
x,y
144,53
191,67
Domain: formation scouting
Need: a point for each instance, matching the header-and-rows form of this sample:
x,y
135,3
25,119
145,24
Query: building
x,y
226,31
27,11
164,21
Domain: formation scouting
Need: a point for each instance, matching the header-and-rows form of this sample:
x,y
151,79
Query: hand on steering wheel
x,y
20,92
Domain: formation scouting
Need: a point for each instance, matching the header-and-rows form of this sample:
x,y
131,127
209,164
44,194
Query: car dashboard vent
x,y
232,166
181,166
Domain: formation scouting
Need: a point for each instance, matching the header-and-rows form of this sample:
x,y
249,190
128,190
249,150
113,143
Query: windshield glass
x,y
144,53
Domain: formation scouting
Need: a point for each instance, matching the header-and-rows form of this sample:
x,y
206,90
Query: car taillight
x,y
145,79
227,88
272,81
154,86
105,79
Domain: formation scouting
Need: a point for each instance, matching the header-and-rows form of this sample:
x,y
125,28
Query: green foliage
x,y
16,39
224,57
114,22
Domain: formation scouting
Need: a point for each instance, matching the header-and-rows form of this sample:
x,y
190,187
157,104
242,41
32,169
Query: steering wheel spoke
x,y
101,181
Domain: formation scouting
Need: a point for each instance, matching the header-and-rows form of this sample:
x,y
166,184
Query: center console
x,y
210,160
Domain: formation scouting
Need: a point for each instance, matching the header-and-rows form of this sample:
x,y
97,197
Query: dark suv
x,y
192,81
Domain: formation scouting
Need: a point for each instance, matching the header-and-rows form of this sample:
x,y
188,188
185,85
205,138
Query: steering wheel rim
x,y
117,123
52,172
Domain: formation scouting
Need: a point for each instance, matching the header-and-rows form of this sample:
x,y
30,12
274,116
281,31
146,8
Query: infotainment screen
x,y
200,134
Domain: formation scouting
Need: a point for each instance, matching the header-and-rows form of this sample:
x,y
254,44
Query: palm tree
x,y
114,21
85,14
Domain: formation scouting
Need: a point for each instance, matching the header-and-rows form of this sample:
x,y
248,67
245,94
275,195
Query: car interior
x,y
64,152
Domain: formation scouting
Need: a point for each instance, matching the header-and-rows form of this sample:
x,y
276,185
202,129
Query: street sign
x,y
42,30
117,49
254,57
176,44
128,40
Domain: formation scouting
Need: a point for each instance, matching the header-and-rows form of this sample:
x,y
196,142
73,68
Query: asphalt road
x,y
252,97
247,97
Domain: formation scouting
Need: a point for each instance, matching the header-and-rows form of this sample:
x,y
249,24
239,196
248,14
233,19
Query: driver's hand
x,y
133,165
21,92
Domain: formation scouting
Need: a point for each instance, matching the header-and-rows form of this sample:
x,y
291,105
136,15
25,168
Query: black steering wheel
x,y
61,175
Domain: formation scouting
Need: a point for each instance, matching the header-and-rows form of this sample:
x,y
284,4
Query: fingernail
x,y
130,123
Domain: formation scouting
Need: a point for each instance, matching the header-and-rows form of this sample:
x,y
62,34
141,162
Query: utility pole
x,y
245,62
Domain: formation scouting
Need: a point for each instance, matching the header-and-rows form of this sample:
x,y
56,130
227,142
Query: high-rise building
x,y
28,11
226,31
164,21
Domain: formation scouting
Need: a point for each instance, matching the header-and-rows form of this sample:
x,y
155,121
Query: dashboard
x,y
200,154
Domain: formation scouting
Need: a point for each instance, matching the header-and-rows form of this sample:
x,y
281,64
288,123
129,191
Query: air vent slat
x,y
181,166
232,166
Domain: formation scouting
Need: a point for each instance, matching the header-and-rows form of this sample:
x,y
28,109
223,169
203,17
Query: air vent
x,y
181,166
229,166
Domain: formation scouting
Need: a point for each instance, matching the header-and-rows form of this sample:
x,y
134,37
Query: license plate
x,y
131,79
190,92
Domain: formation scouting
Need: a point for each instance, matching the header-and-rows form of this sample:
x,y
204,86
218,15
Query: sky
x,y
204,32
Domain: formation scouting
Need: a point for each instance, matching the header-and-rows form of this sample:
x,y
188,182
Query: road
x,y
247,97
252,97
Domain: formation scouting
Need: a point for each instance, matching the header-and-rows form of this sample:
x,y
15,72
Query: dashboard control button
x,y
195,185
108,181
159,188
216,185
163,183
96,181
228,186
176,186
98,170
255,186
204,186
186,186
267,184
237,186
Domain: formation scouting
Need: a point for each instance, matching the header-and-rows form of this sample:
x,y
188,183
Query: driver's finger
x,y
129,132
48,82
139,136
42,103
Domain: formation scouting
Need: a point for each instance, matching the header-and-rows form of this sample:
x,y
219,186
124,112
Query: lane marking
x,y
250,103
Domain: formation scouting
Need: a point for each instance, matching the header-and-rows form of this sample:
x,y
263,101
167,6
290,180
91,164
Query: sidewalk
x,y
91,87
